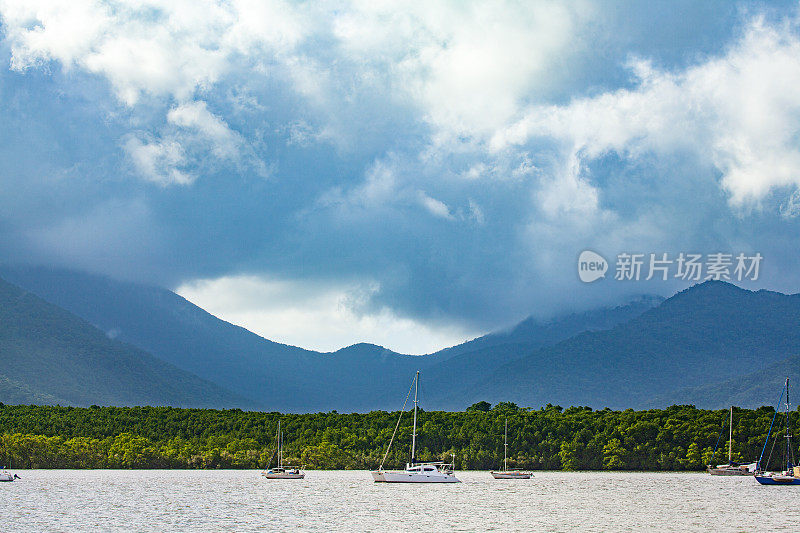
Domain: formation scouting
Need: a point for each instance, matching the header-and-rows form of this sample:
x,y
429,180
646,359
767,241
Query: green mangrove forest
x,y
680,437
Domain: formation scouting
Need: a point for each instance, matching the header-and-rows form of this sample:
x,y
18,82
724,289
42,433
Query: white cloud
x,y
193,132
196,116
141,47
739,112
435,207
158,161
467,65
317,315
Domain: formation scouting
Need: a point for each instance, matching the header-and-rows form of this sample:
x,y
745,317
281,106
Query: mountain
x,y
698,337
741,388
467,364
532,333
286,378
274,375
48,355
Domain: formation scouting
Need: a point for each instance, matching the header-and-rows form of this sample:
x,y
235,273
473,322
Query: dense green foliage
x,y
676,438
48,355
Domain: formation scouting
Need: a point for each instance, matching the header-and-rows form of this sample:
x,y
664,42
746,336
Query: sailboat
x,y
415,472
506,473
5,475
791,476
731,469
281,471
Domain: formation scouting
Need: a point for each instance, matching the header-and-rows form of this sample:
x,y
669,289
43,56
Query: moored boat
x,y
281,471
5,475
790,476
506,473
415,471
435,472
732,468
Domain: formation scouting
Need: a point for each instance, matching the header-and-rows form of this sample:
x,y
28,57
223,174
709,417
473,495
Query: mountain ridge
x,y
50,355
649,350
680,343
359,377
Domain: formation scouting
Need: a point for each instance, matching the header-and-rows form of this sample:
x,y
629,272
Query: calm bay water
x,y
235,500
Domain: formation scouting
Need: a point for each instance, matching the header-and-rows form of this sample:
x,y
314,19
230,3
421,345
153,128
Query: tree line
x,y
680,437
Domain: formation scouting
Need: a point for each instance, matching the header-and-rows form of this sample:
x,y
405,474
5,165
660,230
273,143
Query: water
x,y
235,500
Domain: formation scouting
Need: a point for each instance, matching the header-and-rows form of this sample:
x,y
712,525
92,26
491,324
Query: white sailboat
x,y
506,473
281,471
415,472
732,469
5,475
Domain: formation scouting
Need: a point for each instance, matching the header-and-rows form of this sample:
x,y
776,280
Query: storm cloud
x,y
405,174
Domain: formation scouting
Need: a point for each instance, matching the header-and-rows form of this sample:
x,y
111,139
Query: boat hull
x,y
283,475
729,472
384,476
511,475
778,480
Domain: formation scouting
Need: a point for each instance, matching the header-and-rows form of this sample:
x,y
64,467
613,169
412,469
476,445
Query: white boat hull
x,y
284,476
384,476
729,472
5,476
511,475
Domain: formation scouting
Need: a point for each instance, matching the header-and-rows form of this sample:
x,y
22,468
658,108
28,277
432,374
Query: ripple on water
x,y
235,500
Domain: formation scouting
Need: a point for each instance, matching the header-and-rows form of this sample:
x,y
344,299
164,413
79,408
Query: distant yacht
x,y
506,473
731,469
5,475
281,471
790,476
415,472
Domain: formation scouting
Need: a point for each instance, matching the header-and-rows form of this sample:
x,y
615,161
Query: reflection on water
x,y
231,500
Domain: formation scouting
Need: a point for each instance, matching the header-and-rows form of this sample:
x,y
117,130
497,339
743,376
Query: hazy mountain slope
x,y
16,393
48,354
535,333
357,378
274,375
692,338
470,363
742,387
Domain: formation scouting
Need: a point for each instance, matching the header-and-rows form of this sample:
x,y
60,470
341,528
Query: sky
x,y
411,174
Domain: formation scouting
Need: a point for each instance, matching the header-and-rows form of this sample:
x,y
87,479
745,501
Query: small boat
x,y
790,476
281,471
5,475
434,472
506,473
732,468
414,472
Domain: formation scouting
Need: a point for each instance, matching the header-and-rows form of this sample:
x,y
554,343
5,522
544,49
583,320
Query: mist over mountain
x,y
356,378
48,355
700,336
690,348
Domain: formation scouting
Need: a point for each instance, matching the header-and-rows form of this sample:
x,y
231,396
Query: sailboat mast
x,y
730,439
788,436
414,431
505,448
280,459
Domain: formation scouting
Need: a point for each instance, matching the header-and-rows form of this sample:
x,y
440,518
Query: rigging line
x,y
271,457
777,406
398,424
721,428
771,450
